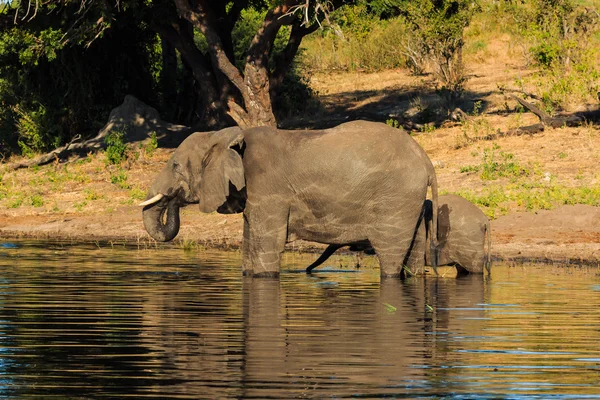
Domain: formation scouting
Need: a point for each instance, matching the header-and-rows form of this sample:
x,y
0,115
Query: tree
x,y
63,67
244,91
65,63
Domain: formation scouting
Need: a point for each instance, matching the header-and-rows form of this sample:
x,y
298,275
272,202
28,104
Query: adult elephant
x,y
463,234
358,181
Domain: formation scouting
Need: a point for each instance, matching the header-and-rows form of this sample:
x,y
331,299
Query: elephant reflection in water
x,y
316,341
306,336
322,341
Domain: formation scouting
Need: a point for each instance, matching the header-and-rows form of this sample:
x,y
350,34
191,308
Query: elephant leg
x,y
332,248
265,233
392,250
394,240
415,261
470,263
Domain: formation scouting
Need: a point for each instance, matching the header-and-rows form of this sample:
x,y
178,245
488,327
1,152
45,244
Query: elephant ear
x,y
221,165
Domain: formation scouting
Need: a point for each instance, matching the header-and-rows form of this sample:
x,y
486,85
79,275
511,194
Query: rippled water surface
x,y
84,321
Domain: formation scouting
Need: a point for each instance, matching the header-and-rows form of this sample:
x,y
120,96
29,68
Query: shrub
x,y
152,144
120,179
116,148
560,40
372,45
440,26
36,131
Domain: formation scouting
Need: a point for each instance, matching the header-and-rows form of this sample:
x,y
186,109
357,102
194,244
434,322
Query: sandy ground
x,y
569,234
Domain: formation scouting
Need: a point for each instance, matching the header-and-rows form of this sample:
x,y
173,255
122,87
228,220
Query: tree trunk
x,y
248,96
180,35
257,99
168,76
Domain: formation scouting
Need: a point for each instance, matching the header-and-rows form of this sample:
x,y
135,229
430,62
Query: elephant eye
x,y
177,168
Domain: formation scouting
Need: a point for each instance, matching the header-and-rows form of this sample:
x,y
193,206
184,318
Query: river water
x,y
113,322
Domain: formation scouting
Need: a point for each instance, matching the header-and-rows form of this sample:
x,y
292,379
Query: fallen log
x,y
138,120
548,120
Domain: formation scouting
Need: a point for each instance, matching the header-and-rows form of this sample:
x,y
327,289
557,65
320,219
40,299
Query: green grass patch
x,y
79,206
37,200
137,194
152,144
91,194
120,179
16,202
496,164
497,200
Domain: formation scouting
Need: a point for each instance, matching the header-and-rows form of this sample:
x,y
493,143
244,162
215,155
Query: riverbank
x,y
567,235
542,191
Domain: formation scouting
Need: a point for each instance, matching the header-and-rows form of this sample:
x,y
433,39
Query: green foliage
x,y
531,197
116,148
152,144
497,164
16,202
37,200
440,25
355,21
120,179
91,194
80,205
425,31
387,45
560,39
137,194
37,131
244,31
393,123
54,84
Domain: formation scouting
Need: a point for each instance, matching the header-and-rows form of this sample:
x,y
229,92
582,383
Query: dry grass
x,y
557,159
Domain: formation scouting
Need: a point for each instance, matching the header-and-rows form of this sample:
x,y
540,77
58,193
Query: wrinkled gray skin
x,y
463,233
355,182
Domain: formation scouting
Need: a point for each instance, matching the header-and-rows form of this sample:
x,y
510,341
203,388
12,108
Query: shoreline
x,y
547,237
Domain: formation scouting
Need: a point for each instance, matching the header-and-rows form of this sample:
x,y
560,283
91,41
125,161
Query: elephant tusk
x,y
153,200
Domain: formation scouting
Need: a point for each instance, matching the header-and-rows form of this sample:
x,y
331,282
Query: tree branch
x,y
554,122
263,40
285,59
200,18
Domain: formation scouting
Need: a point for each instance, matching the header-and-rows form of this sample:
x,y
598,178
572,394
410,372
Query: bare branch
x,y
35,11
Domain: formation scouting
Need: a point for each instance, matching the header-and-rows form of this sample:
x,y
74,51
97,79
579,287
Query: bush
x,y
120,179
116,148
152,144
497,164
375,46
36,131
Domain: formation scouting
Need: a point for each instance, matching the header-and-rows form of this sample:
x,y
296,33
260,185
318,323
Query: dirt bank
x,y
570,234
542,191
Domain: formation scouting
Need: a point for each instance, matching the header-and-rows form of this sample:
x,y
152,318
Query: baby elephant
x,y
463,232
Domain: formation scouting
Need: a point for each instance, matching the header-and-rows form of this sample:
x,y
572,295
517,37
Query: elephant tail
x,y
488,258
433,239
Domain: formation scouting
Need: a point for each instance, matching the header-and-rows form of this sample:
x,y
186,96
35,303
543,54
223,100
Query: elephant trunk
x,y
154,220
